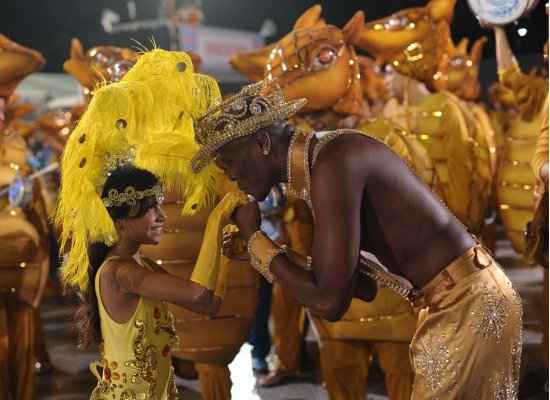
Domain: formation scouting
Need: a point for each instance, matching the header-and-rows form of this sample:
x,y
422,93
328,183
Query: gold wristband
x,y
262,252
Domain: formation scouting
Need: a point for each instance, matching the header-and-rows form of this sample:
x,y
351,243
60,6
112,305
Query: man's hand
x,y
233,245
248,218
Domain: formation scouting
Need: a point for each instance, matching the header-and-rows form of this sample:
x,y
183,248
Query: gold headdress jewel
x,y
256,106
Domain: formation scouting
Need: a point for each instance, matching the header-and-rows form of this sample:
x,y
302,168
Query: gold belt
x,y
473,260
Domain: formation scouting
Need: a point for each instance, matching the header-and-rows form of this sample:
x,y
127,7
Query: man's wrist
x,y
262,251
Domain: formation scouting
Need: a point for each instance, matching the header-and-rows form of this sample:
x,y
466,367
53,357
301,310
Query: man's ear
x,y
263,139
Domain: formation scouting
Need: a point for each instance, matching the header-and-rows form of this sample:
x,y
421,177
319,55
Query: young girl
x,y
123,308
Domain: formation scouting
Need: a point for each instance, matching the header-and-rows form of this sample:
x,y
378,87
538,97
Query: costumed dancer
x,y
467,342
109,204
24,261
315,54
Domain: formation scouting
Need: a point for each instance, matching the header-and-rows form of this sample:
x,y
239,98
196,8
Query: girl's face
x,y
146,229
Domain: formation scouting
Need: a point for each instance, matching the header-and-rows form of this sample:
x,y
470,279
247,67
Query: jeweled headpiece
x,y
147,118
254,107
131,196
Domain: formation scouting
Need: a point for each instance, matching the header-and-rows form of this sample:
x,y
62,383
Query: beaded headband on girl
x,y
129,195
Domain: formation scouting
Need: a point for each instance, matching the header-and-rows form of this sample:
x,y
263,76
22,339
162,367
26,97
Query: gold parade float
x,y
518,99
24,260
24,229
434,107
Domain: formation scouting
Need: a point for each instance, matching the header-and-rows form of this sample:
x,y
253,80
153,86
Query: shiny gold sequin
x,y
145,363
181,66
121,123
433,362
490,315
505,387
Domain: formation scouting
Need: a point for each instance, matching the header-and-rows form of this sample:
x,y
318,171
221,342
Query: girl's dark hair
x,y
87,314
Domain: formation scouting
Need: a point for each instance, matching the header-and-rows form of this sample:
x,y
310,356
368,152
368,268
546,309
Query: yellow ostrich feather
x,y
150,114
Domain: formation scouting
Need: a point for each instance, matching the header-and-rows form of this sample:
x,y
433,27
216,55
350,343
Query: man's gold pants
x,y
467,344
16,350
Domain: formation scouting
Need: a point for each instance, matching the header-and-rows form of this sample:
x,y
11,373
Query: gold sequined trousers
x,y
467,344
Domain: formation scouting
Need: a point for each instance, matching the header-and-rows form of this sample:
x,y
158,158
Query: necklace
x,y
298,172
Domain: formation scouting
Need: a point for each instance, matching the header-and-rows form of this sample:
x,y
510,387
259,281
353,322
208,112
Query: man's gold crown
x,y
256,106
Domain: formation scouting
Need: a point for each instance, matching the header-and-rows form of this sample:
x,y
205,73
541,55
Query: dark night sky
x,y
48,25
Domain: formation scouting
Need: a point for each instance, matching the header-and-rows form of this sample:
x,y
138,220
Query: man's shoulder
x,y
343,144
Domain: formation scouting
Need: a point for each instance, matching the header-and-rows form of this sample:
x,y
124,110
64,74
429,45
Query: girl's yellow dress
x,y
136,355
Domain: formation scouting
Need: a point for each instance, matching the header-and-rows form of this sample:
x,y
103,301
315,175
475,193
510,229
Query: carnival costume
x,y
145,119
24,262
467,342
456,135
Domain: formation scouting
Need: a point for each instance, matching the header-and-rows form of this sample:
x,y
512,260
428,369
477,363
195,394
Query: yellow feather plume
x,y
149,113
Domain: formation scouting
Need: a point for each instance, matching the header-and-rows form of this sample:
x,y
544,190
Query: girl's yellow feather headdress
x,y
148,114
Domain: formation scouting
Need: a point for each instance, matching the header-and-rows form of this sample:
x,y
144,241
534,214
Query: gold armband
x,y
262,252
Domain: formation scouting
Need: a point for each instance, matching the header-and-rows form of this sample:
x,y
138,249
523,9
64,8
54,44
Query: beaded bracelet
x,y
262,252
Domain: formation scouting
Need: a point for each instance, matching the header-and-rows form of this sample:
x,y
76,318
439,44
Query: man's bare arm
x,y
337,190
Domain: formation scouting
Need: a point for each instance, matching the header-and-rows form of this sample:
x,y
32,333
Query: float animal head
x,y
16,63
458,70
98,64
313,55
413,40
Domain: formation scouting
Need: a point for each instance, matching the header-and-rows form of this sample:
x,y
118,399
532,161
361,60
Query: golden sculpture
x,y
456,135
24,262
518,98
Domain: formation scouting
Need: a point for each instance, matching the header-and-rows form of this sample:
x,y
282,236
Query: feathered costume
x,y
146,118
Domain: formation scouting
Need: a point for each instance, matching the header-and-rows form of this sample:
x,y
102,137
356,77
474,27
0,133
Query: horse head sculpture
x,y
101,63
458,70
413,40
312,56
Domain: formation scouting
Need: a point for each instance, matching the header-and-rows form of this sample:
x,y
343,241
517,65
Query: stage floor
x,y
72,380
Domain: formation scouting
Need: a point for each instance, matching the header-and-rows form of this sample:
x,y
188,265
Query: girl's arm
x,y
159,285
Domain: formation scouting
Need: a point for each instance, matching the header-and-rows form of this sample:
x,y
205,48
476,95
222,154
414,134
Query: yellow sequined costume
x,y
148,116
136,355
210,342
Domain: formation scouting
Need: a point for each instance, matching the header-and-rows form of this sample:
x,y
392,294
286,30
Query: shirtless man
x,y
364,198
